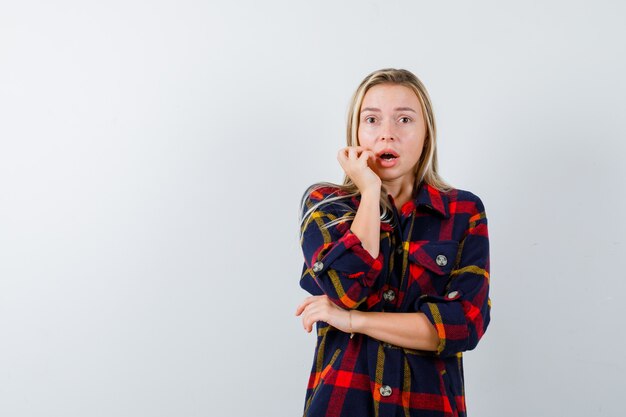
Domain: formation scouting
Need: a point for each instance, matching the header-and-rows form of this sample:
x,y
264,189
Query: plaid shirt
x,y
435,261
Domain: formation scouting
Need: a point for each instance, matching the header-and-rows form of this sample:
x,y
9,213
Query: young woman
x,y
397,263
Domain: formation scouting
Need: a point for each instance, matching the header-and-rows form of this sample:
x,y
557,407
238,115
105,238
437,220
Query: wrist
x,y
350,324
356,321
372,193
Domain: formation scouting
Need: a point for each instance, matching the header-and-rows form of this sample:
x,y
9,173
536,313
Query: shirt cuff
x,y
348,257
447,315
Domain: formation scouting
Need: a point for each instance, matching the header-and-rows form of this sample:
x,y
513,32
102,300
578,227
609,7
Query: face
x,y
392,126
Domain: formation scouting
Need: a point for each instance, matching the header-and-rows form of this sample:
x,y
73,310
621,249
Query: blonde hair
x,y
426,169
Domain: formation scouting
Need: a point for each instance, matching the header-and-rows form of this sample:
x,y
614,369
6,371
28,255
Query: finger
x,y
310,321
307,324
369,158
303,305
342,154
360,149
343,160
368,153
312,314
365,156
300,309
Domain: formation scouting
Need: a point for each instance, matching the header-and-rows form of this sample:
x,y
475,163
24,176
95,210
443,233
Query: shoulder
x,y
466,201
463,200
465,195
329,198
448,201
322,190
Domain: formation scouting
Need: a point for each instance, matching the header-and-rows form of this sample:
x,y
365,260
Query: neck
x,y
401,189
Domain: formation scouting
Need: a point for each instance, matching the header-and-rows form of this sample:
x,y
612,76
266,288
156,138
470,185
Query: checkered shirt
x,y
434,259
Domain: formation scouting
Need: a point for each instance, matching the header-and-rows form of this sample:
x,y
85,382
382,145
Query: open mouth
x,y
388,155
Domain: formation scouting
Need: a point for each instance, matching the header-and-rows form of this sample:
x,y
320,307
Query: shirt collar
x,y
430,197
427,196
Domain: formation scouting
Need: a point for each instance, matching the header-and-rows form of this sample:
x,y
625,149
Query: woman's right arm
x,y
344,260
366,223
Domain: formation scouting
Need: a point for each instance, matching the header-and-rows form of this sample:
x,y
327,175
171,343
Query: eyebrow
x,y
396,109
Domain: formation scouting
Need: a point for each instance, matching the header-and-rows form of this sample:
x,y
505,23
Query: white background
x,y
152,158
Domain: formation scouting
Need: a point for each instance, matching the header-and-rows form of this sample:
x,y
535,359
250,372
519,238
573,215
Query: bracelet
x,y
350,319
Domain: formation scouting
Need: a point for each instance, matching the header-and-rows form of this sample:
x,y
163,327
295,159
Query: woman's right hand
x,y
354,161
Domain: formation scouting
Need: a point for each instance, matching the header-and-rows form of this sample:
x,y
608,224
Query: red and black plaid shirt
x,y
434,260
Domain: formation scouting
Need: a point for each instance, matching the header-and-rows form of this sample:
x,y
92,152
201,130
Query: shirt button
x,y
389,295
453,294
318,266
441,260
385,390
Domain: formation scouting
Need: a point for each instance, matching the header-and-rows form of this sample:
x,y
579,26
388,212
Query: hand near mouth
x,y
355,162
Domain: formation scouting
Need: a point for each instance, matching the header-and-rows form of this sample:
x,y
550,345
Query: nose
x,y
386,131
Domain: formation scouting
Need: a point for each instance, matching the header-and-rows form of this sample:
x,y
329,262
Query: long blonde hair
x,y
426,168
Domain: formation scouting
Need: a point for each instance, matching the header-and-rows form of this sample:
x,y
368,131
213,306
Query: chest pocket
x,y
431,263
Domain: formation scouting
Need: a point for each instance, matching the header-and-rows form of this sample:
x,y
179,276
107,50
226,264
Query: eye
x,y
370,119
405,119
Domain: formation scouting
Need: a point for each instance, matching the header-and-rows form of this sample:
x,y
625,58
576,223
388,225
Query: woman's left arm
x,y
458,318
407,330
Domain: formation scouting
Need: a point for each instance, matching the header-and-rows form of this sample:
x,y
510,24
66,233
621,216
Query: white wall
x,y
152,157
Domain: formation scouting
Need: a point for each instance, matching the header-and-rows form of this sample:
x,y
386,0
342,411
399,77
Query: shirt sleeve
x,y
335,262
461,316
